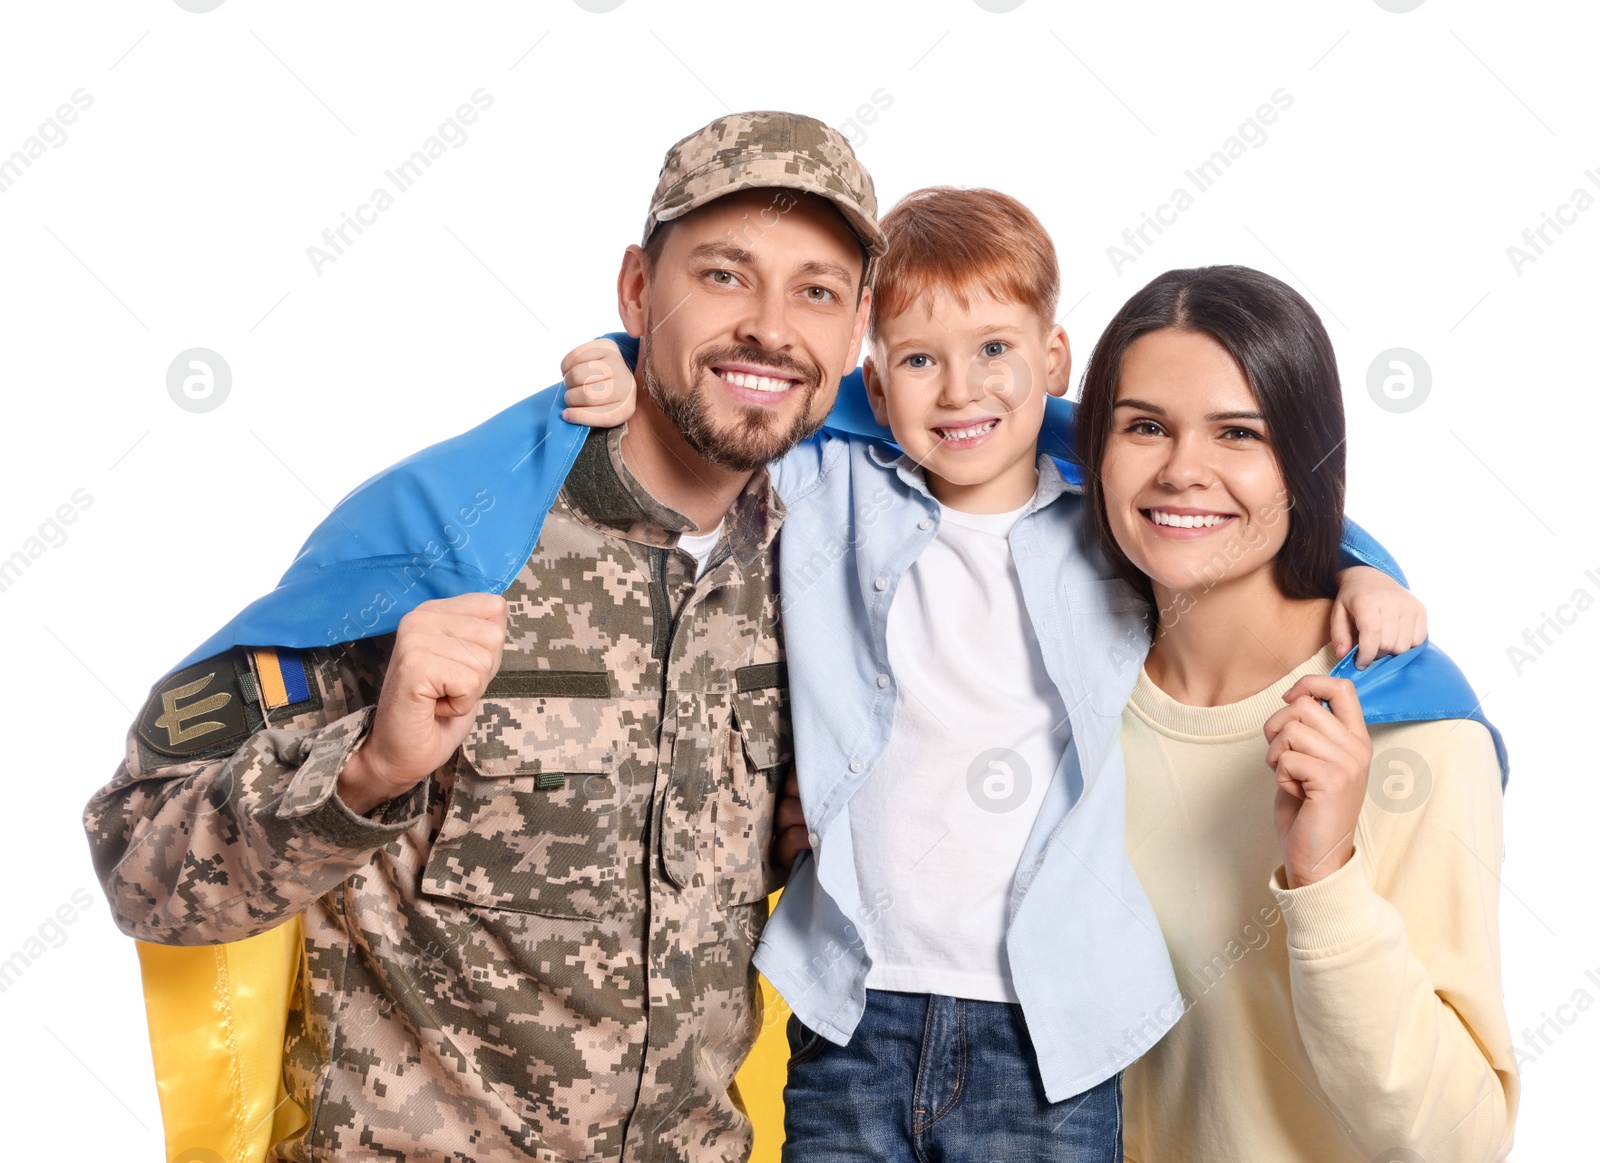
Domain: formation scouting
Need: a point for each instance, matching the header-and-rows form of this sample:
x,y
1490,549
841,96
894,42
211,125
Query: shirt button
x,y
856,765
925,523
883,681
881,582
813,839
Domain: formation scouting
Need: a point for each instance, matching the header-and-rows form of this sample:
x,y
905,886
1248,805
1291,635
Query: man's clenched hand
x,y
445,652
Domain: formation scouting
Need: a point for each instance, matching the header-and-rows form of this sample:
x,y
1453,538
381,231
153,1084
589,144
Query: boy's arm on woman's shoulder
x,y
1374,609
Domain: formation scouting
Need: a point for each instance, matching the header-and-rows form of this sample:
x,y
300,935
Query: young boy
x,y
969,955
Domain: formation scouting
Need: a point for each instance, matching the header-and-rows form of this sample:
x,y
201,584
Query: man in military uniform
x,y
530,833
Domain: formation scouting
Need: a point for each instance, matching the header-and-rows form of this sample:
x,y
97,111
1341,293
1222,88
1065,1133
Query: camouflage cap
x,y
747,151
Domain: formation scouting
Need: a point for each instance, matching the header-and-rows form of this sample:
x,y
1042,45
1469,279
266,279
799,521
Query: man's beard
x,y
750,436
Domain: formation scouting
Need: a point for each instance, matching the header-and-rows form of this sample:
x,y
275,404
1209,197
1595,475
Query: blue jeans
x,y
931,1079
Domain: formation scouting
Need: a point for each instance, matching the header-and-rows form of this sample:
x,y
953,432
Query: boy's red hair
x,y
955,241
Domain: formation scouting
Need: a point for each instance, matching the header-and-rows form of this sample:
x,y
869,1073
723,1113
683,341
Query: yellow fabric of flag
x,y
217,1015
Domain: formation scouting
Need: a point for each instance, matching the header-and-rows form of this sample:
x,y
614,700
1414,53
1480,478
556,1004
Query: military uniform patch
x,y
199,709
207,708
285,681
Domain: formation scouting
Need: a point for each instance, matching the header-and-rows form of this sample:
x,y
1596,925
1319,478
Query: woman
x,y
1331,915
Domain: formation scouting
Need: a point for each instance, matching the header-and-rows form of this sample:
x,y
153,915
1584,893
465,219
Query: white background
x,y
218,147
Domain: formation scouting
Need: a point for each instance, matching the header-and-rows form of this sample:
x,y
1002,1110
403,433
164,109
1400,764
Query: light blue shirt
x,y
1086,953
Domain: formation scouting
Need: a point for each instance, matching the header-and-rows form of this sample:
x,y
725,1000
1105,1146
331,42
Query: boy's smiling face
x,y
963,389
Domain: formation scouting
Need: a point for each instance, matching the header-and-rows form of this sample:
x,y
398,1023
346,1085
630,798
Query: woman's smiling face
x,y
1194,493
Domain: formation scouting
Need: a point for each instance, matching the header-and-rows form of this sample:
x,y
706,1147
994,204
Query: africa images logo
x,y
199,380
1399,380
998,780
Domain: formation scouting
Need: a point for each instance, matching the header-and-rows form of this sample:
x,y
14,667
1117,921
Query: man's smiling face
x,y
752,312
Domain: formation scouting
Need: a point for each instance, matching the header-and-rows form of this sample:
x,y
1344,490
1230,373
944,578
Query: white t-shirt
x,y
978,731
700,545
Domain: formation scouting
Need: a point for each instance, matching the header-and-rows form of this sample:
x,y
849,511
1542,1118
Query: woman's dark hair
x,y
1285,354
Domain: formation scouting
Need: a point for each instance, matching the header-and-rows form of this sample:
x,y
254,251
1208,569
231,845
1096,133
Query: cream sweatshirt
x,y
1348,1021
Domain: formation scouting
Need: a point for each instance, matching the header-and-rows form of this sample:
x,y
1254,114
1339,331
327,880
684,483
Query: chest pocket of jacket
x,y
532,820
762,756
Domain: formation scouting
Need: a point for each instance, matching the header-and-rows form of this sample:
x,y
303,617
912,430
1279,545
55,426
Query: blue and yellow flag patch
x,y
282,675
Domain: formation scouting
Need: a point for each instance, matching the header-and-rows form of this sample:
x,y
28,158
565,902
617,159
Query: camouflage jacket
x,y
544,950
